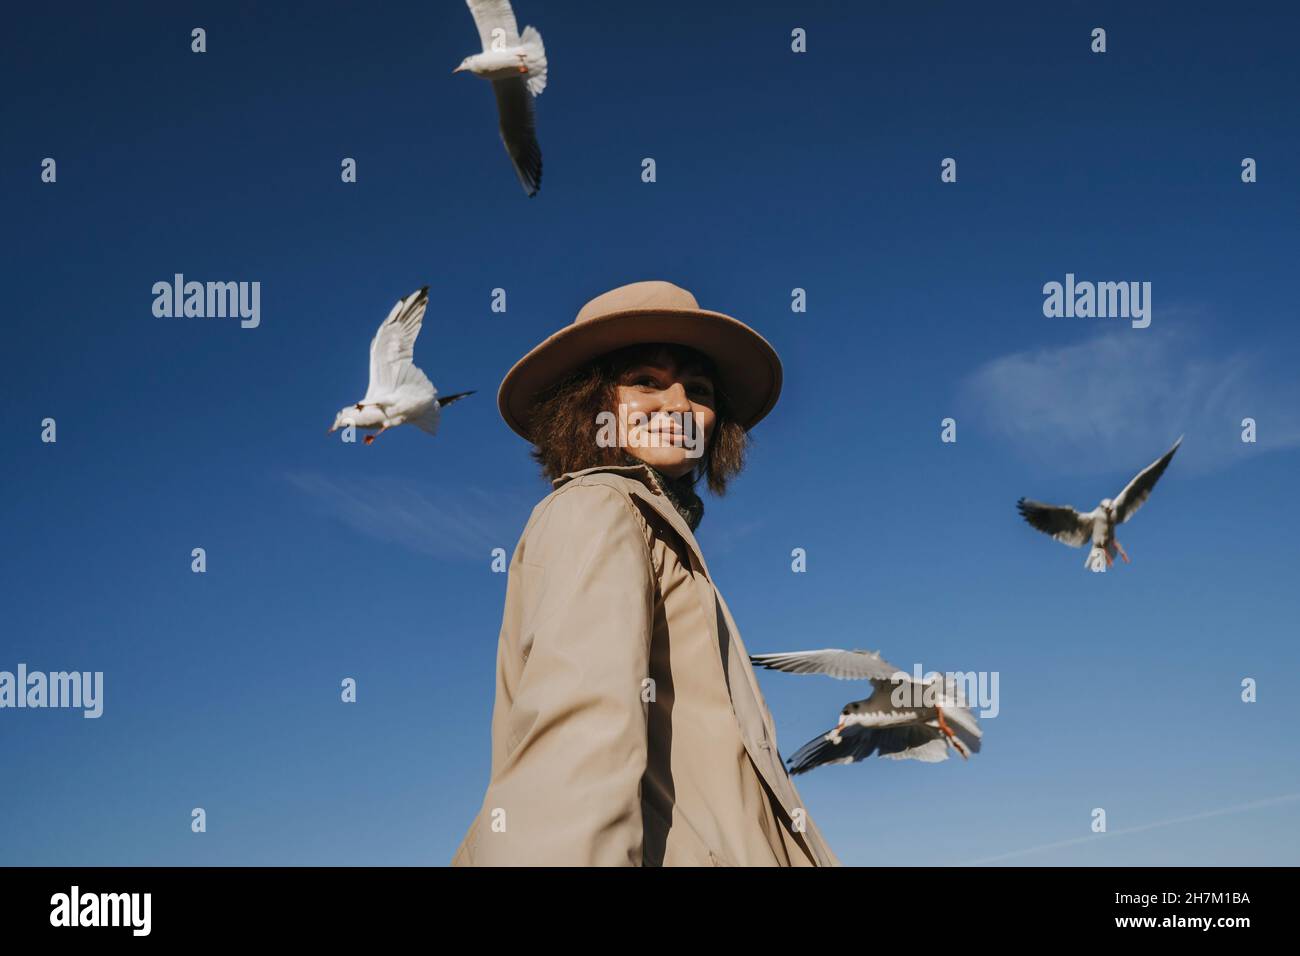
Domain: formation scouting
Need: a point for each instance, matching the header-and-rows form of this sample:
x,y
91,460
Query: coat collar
x,y
642,471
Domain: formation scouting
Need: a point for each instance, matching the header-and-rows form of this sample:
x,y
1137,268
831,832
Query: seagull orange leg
x,y
370,439
952,737
1122,552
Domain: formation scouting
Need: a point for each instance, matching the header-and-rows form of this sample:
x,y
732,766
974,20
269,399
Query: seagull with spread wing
x,y
515,63
1076,529
902,719
399,392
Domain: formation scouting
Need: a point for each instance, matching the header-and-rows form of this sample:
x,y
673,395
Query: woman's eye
x,y
645,380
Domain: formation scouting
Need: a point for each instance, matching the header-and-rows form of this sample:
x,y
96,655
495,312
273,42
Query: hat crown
x,y
641,313
654,294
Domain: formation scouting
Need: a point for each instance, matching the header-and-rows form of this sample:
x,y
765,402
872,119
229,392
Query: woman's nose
x,y
675,398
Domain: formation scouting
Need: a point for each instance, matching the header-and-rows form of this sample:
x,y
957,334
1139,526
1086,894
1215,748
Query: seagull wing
x,y
914,746
910,741
491,15
894,702
844,665
1060,521
519,132
393,347
1137,491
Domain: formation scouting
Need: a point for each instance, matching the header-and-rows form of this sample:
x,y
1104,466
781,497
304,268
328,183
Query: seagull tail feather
x,y
534,59
448,399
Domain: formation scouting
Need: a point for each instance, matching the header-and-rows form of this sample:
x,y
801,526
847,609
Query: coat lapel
x,y
758,735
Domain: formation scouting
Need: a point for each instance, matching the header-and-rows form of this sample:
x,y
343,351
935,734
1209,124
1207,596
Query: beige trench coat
x,y
628,728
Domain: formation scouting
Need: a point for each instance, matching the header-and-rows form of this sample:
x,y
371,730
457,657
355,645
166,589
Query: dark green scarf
x,y
680,491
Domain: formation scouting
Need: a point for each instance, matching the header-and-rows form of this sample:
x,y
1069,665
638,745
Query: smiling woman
x,y
628,727
650,393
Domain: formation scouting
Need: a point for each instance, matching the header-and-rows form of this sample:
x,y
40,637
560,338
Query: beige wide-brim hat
x,y
644,312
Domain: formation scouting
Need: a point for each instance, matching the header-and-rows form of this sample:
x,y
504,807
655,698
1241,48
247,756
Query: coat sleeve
x,y
569,791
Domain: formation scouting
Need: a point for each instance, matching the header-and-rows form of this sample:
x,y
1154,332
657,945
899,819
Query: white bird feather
x,y
399,392
1076,528
516,65
903,719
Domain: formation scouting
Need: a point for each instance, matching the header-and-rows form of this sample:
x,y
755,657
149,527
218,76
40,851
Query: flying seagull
x,y
516,65
399,392
902,719
1065,524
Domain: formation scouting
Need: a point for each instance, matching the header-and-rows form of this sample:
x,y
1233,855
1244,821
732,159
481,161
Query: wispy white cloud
x,y
1123,397
1076,841
440,522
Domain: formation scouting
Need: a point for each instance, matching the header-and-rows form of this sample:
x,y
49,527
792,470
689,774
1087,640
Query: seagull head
x,y
1106,502
846,715
346,416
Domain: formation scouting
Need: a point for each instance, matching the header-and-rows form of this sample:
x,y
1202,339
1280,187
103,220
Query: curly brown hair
x,y
564,421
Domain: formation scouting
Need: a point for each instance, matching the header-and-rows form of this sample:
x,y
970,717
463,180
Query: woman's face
x,y
667,413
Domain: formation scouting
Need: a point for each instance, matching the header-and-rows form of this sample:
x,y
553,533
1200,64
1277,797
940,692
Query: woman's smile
x,y
660,405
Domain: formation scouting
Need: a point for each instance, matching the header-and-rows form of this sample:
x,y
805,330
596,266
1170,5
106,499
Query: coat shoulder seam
x,y
640,519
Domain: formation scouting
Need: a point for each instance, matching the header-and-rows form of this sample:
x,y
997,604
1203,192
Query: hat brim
x,y
747,365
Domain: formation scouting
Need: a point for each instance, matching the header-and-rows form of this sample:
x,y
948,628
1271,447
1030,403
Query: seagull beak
x,y
840,725
457,70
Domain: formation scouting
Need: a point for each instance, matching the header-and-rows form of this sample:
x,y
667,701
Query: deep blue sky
x,y
775,171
